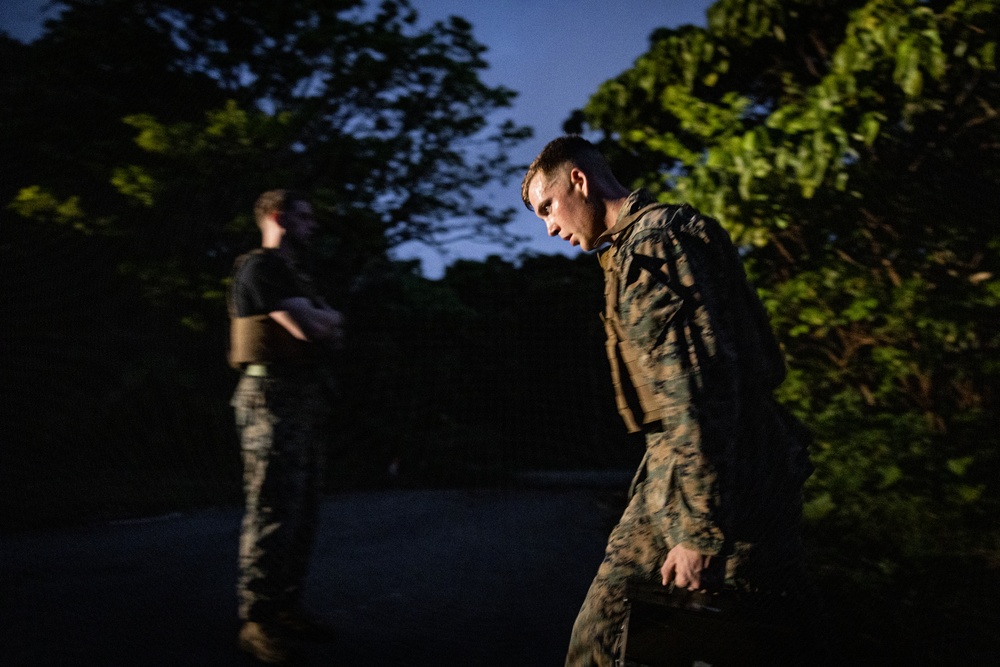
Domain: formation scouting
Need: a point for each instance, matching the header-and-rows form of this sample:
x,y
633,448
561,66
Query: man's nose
x,y
551,227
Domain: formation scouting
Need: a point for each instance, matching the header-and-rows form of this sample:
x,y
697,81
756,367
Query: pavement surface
x,y
463,578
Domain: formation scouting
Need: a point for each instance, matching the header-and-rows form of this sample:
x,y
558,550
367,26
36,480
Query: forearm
x,y
324,325
309,323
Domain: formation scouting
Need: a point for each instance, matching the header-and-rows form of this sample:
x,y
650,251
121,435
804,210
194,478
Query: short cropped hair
x,y
275,201
569,149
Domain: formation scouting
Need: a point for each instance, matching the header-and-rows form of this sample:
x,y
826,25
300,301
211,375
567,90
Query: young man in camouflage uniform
x,y
278,326
717,497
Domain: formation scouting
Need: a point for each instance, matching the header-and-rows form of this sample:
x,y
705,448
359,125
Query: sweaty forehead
x,y
541,186
536,189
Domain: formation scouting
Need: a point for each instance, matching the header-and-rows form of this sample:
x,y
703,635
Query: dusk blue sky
x,y
554,53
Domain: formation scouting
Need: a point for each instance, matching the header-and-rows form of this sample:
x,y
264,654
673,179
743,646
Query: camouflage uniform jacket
x,y
694,363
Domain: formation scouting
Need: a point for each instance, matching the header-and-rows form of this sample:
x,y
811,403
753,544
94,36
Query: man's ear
x,y
578,179
277,218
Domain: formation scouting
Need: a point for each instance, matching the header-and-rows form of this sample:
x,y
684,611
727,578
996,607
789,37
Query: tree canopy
x,y
165,133
852,148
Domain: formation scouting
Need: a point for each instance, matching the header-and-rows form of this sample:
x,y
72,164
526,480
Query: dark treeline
x,y
113,408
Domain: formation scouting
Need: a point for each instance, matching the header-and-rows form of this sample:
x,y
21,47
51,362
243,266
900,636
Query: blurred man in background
x,y
279,328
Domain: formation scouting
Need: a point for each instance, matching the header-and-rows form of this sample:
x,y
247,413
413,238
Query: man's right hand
x,y
687,568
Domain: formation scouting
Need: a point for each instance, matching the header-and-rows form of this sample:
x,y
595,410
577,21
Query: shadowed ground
x,y
409,577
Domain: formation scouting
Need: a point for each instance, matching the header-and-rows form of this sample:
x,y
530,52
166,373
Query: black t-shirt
x,y
264,281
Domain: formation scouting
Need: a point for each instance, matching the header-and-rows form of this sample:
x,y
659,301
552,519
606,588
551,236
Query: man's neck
x,y
283,250
613,208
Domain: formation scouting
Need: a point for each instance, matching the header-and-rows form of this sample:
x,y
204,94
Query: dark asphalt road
x,y
463,578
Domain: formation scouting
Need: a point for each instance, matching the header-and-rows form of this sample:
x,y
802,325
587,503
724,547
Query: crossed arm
x,y
310,322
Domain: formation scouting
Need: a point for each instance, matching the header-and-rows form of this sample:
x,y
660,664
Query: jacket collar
x,y
631,210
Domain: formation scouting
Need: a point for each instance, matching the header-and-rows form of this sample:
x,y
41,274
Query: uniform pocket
x,y
250,412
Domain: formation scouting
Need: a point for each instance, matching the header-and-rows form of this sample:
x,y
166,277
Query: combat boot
x,y
265,644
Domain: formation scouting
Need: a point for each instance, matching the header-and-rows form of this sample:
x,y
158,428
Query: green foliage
x,y
40,204
850,147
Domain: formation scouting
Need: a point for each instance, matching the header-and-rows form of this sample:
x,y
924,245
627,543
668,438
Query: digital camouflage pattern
x,y
635,551
280,419
695,364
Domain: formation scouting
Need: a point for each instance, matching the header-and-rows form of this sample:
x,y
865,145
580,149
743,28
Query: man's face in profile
x,y
563,204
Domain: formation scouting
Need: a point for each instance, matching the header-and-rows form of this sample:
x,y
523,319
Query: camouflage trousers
x,y
635,552
281,422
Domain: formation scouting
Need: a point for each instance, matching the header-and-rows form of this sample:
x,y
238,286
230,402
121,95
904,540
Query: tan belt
x,y
287,370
